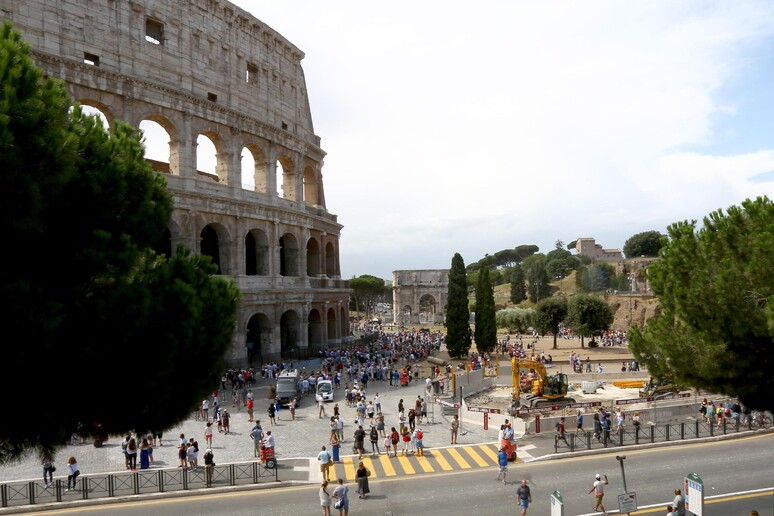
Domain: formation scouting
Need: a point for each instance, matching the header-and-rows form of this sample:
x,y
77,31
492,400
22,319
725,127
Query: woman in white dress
x,y
325,499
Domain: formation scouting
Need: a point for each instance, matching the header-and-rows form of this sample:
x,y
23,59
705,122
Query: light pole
x,y
621,459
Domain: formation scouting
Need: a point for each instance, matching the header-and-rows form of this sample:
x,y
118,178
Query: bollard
x,y
636,435
572,442
620,436
682,430
653,434
724,426
666,432
696,424
712,428
588,440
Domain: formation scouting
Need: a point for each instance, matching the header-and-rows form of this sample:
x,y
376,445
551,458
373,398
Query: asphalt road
x,y
731,470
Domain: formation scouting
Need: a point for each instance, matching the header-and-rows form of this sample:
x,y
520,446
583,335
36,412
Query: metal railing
x,y
653,433
109,485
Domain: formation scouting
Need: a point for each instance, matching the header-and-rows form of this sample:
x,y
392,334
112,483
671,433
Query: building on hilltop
x,y
419,296
206,72
588,247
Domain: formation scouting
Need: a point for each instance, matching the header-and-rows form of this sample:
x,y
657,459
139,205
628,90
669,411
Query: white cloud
x,y
460,128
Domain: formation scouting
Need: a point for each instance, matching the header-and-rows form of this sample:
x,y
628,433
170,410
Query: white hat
x,y
599,476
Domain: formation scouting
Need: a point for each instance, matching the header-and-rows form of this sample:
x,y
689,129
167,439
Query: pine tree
x,y
486,324
518,285
457,314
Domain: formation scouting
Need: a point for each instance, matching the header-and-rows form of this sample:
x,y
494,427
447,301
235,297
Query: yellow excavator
x,y
538,389
658,388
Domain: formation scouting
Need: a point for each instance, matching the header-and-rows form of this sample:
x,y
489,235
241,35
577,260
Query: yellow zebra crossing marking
x,y
384,460
369,466
349,468
440,459
490,453
475,456
458,458
426,466
406,465
436,460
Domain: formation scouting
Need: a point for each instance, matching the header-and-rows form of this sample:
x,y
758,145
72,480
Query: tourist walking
x,y
325,498
341,494
48,468
599,492
455,426
361,475
72,473
525,496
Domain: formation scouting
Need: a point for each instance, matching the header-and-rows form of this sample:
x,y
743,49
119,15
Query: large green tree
x,y
549,315
537,277
367,291
517,320
647,243
84,296
486,325
518,285
457,314
715,287
588,315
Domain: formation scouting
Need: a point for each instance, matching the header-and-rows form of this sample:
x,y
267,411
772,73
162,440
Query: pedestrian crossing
x,y
435,460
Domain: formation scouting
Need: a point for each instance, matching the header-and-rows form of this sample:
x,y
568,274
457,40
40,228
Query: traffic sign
x,y
557,505
627,502
694,494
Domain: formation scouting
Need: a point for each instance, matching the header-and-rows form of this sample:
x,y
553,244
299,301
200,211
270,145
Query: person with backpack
x,y
394,438
420,446
374,437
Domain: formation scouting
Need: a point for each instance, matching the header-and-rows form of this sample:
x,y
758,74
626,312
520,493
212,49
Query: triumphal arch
x,y
207,71
420,296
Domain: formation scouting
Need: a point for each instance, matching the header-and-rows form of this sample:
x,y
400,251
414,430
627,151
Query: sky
x,y
472,127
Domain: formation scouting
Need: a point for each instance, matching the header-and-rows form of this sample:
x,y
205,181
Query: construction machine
x,y
538,389
658,388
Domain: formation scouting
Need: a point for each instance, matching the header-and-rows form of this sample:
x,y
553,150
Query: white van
x,y
325,389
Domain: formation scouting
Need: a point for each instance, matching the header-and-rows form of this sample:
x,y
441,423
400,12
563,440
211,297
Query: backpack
x,y
394,438
419,435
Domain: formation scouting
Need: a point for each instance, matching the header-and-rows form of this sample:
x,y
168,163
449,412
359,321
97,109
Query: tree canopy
x,y
715,287
457,315
538,283
518,285
486,326
647,243
517,320
84,294
549,315
367,291
588,315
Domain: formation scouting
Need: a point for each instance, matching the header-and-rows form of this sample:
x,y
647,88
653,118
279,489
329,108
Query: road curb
x,y
661,444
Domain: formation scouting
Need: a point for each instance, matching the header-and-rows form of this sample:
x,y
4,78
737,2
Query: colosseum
x,y
205,75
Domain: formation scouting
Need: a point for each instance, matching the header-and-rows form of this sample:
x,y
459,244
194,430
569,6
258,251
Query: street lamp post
x,y
621,459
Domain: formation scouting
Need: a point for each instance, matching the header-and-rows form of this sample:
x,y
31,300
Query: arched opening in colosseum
x,y
331,320
427,306
289,345
289,256
285,178
93,108
330,260
312,258
253,169
406,314
206,158
158,145
258,338
311,188
210,246
315,332
256,253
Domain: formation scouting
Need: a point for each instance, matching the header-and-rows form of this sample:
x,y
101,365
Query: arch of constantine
x,y
420,296
208,69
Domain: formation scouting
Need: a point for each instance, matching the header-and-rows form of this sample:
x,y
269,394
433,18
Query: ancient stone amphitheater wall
x,y
208,68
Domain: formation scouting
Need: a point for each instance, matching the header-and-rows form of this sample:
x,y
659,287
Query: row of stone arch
x,y
240,159
261,255
299,338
